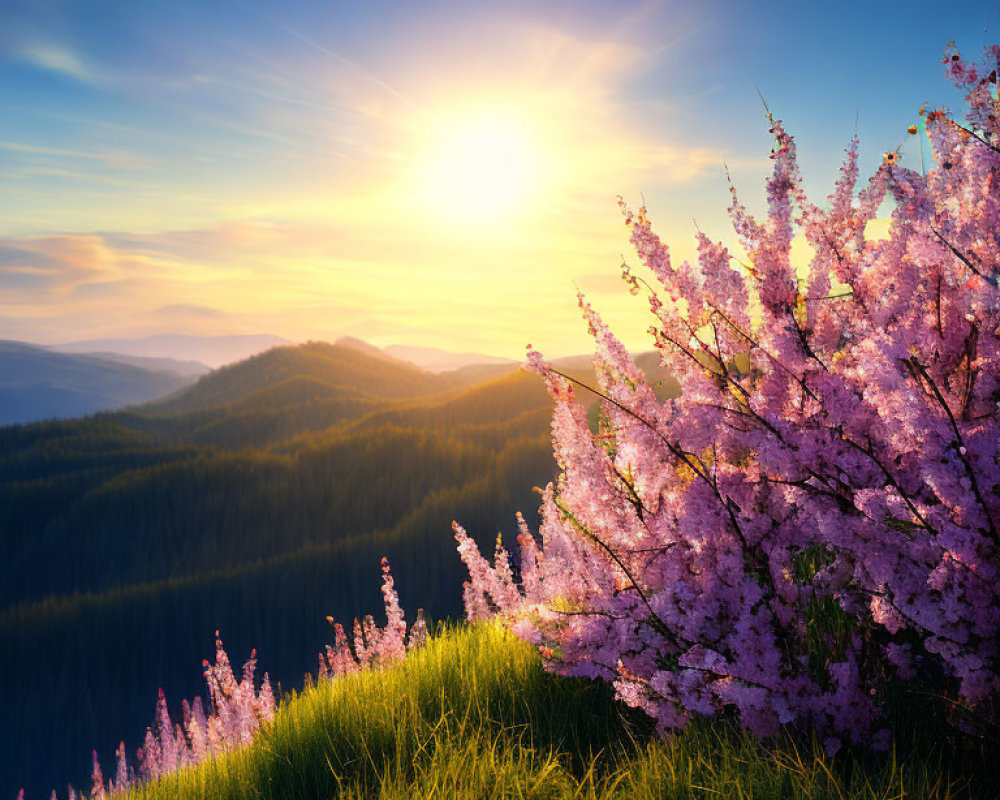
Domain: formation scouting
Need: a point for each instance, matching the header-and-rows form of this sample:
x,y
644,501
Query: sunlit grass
x,y
474,716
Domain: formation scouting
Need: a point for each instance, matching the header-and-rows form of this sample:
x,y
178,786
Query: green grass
x,y
474,716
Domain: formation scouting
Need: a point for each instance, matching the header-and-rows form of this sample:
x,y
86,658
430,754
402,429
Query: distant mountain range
x,y
213,351
187,369
432,359
84,377
81,378
217,351
36,383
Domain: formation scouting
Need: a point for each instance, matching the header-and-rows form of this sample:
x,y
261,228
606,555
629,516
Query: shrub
x,y
820,508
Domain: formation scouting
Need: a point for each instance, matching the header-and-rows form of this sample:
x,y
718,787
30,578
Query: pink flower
x,y
842,444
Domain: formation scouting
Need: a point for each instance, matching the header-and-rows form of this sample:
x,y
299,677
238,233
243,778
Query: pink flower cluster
x,y
373,646
237,710
835,455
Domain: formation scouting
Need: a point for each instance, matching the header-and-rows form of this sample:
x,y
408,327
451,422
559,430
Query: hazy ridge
x,y
36,383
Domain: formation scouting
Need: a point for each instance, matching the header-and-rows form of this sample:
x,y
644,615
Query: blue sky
x,y
319,169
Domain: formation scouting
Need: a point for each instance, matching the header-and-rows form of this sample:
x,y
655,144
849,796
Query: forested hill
x,y
256,502
320,369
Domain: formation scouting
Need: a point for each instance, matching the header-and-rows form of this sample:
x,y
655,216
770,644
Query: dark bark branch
x,y
657,624
960,444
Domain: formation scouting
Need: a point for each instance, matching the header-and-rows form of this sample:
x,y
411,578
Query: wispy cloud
x,y
60,59
184,310
113,159
54,264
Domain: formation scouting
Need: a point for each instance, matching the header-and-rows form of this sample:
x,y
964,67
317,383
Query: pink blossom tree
x,y
822,503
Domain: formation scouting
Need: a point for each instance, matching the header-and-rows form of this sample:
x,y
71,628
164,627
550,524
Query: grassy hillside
x,y
474,716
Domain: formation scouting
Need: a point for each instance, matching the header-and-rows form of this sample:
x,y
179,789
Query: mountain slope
x,y
187,369
36,383
336,366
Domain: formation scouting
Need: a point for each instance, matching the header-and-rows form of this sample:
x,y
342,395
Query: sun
x,y
481,169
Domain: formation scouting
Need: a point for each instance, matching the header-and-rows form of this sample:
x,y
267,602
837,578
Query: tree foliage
x,y
819,510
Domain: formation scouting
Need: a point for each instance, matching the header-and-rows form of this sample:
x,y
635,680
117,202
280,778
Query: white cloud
x,y
60,59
